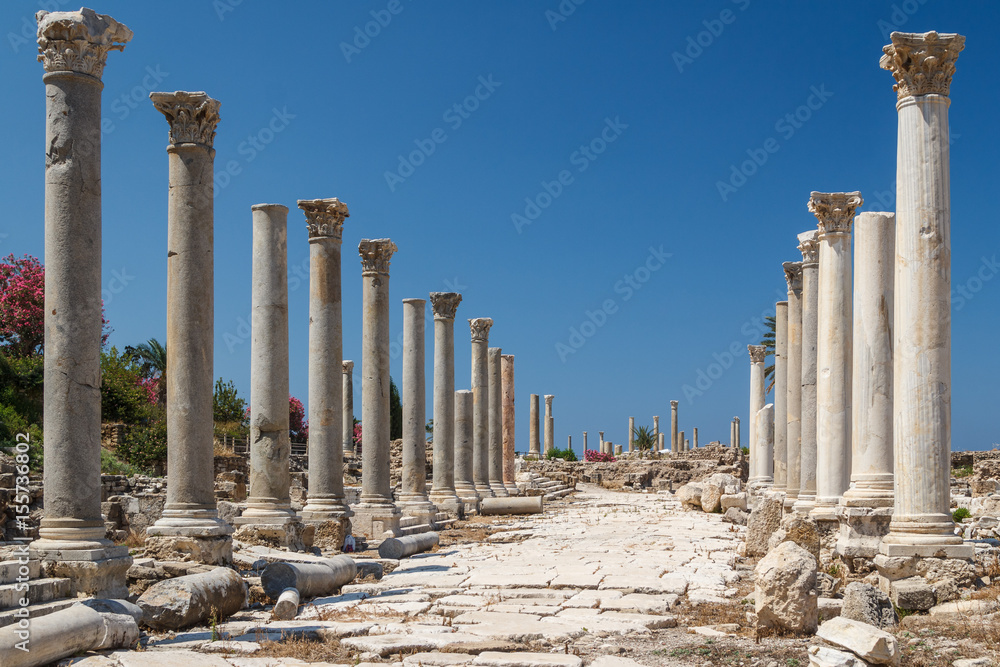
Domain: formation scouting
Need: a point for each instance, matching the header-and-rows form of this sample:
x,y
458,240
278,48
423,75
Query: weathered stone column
x,y
780,409
763,429
732,432
348,407
465,457
673,428
680,442
507,403
493,355
806,500
550,426
694,437
534,446
326,508
480,328
793,382
601,434
269,517
631,433
375,514
190,524
656,425
922,65
835,212
443,494
660,439
73,49
584,442
412,498
866,508
736,420
760,461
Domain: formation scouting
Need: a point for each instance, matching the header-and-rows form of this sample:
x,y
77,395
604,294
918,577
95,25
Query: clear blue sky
x,y
304,116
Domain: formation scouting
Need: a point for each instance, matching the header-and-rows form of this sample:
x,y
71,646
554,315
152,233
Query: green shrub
x,y
112,465
960,513
11,424
123,399
644,438
144,444
964,471
564,454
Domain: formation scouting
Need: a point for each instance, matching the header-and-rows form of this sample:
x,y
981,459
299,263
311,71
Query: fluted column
x,y
550,429
493,355
480,328
835,212
694,437
190,513
507,406
673,428
375,514
736,421
807,416
631,433
922,65
348,407
443,493
793,383
73,48
464,451
325,224
534,447
413,494
760,461
780,405
269,514
732,432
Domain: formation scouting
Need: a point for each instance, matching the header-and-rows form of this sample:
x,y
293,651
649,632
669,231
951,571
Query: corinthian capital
x,y
809,247
480,328
921,63
348,367
793,276
192,116
444,304
78,41
375,255
325,217
757,353
834,210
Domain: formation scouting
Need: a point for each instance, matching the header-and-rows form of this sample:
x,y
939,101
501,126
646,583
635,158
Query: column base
x,y
449,503
376,521
470,498
96,573
498,489
512,489
825,509
422,510
207,549
483,490
861,532
862,497
329,532
274,530
333,509
804,504
791,496
924,545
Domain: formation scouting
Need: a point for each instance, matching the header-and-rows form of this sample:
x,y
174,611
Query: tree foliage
x,y
395,412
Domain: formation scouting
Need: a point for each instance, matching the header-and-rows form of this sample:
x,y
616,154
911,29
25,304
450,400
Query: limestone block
x,y
912,593
821,656
867,604
804,531
287,606
867,642
689,496
974,662
403,547
184,601
827,585
785,589
497,659
711,496
738,500
829,608
965,608
736,516
764,521
982,487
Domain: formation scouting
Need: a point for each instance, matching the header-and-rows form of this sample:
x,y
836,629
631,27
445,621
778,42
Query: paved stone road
x,y
603,564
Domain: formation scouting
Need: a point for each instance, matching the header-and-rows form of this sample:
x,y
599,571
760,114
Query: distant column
x,y
793,383
480,328
807,416
780,400
412,498
736,421
759,464
549,424
465,456
694,437
509,424
534,447
348,407
443,490
674,448
496,423
631,433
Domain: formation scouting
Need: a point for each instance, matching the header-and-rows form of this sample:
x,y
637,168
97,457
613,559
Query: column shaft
x,y
481,404
413,494
807,416
496,423
443,493
534,447
507,402
631,433
673,427
759,466
464,450
780,464
550,437
793,383
348,407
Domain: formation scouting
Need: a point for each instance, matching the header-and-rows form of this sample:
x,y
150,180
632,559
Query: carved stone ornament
x,y
480,328
445,304
922,63
348,367
793,275
325,217
375,255
78,41
809,247
834,210
757,353
192,116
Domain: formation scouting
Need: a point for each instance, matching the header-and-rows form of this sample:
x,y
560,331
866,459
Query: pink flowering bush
x,y
595,456
152,388
298,426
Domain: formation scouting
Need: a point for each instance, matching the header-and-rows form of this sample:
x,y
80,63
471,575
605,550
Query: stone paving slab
x,y
493,659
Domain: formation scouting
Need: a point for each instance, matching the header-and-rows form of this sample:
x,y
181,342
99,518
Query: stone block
x,y
764,521
867,642
912,594
867,604
785,589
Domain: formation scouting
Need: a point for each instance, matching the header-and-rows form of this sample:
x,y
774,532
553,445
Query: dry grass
x,y
305,649
719,613
133,540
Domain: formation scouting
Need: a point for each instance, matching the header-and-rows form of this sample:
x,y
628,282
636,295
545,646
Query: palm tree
x,y
768,342
152,355
644,438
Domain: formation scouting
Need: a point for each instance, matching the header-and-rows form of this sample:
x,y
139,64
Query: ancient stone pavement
x,y
586,577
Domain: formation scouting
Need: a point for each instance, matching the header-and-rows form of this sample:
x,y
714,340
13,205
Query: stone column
x,y
480,328
732,432
534,447
780,465
760,461
493,355
793,383
631,433
584,442
680,442
736,420
922,65
326,508
269,517
73,49
465,484
660,439
763,430
601,434
412,499
375,514
866,507
443,492
673,428
656,425
348,407
694,437
507,403
806,500
190,525
835,212
550,426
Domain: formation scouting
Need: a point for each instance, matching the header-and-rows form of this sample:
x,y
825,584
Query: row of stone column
x,y
862,371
